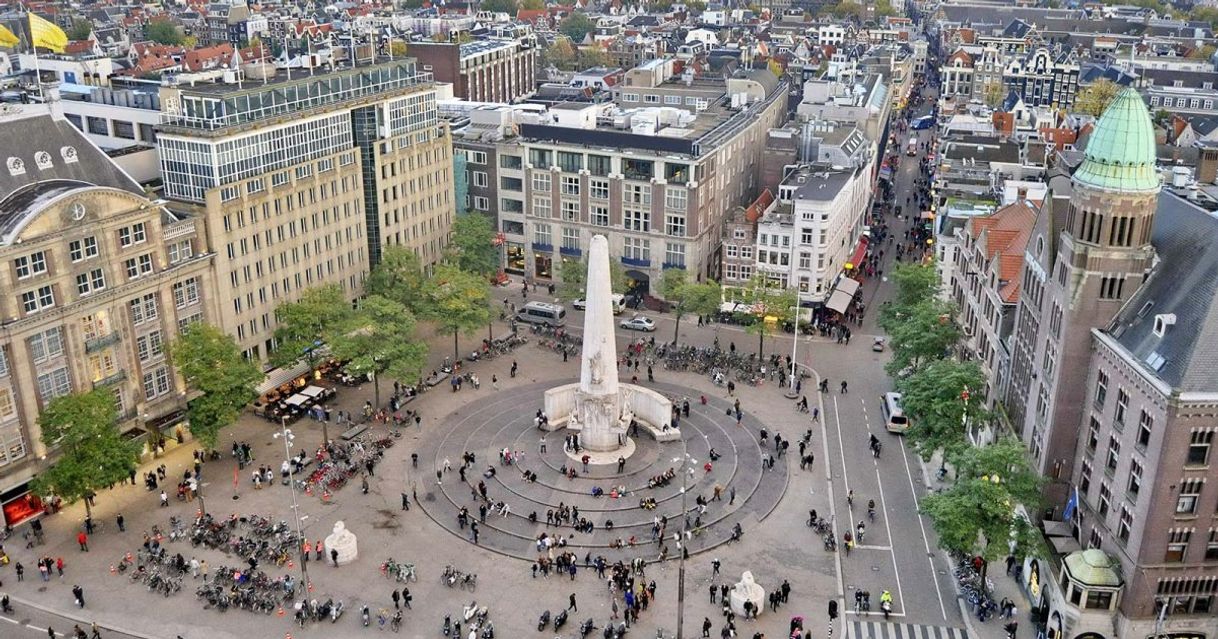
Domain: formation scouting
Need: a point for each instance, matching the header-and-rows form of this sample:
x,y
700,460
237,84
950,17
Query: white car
x,y
581,304
639,323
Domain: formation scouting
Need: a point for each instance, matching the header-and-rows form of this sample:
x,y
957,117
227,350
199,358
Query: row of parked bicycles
x,y
251,590
347,461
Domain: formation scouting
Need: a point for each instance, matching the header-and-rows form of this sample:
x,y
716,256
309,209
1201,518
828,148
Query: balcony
x,y
542,248
102,342
178,229
634,261
668,265
572,251
111,380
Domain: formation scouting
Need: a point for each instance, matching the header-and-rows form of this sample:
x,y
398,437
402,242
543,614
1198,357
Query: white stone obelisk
x,y
598,400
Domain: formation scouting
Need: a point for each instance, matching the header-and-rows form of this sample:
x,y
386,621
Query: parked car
x,y
639,323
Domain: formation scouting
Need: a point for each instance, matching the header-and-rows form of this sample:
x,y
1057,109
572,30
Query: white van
x,y
542,313
894,416
617,303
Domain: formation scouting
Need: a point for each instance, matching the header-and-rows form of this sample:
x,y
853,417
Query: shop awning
x,y
860,251
842,295
276,377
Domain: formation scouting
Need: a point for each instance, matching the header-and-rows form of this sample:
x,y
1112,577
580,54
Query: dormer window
x,y
1162,322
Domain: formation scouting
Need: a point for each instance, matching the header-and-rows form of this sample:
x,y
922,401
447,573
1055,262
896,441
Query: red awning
x,y
860,251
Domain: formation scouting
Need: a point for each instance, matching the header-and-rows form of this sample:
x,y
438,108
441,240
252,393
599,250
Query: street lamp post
x,y
686,469
287,437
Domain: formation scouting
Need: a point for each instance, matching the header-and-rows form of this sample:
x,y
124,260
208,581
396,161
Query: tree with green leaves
x,y
978,514
162,31
573,278
918,334
561,54
688,297
499,6
773,306
940,399
93,454
532,5
81,30
378,340
913,283
593,56
398,276
457,302
1203,13
1094,98
221,380
994,93
472,247
577,26
306,323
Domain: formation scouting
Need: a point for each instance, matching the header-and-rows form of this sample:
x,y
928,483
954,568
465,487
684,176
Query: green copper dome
x,y
1120,153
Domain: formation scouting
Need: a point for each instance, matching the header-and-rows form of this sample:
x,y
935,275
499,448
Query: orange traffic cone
x,y
291,564
113,570
309,490
281,611
310,586
287,635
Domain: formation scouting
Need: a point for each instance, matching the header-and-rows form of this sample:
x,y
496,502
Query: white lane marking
x,y
824,444
879,481
921,525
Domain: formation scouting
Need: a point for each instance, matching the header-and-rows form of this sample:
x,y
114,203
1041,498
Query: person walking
x,y
706,626
121,523
406,597
713,589
731,496
96,634
79,593
571,605
164,500
83,540
397,598
59,566
20,572
514,367
495,382
405,501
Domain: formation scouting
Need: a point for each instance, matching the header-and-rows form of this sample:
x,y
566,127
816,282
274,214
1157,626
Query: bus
x,y
542,313
894,416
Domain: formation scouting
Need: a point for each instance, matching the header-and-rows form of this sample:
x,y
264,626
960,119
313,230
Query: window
x,y
746,253
226,194
150,346
1126,523
805,260
94,280
511,162
1135,477
541,235
143,309
475,157
138,266
637,194
196,318
599,215
1199,447
52,384
651,98
541,181
1122,406
637,248
1105,499
46,345
600,165
82,249
570,211
636,220
1190,494
805,236
180,251
304,171
38,300
480,179
1211,547
134,234
511,184
570,162
1101,388
570,185
674,254
630,97
255,185
3,363
1093,434
570,238
598,189
1114,453
730,250
540,158
674,100
7,410
1177,545
1145,425
482,203
1084,476
541,206
731,271
186,293
674,225
156,383
30,265
676,199
97,126
638,169
279,179
1098,599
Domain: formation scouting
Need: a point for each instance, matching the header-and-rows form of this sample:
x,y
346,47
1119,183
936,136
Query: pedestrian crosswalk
x,y
884,630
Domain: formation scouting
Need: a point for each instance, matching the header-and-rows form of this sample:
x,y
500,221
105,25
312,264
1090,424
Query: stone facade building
x,y
98,280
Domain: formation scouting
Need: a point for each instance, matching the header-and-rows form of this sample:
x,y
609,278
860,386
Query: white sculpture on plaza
x,y
342,541
747,590
600,407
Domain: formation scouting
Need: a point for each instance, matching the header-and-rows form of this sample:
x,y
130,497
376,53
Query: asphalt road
x,y
29,622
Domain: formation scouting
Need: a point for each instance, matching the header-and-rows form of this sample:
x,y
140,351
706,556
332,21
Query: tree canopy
x,y
222,379
93,453
378,339
688,297
457,302
561,54
306,323
933,397
573,276
81,29
918,334
577,26
163,32
399,277
1094,98
472,247
499,6
773,305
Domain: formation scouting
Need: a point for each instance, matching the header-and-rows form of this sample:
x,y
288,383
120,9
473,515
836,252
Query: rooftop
x,y
471,49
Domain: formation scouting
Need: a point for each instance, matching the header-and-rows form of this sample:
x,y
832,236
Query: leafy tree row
x,y
943,396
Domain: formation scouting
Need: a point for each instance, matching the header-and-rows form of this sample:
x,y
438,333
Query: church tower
x,y
1102,255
